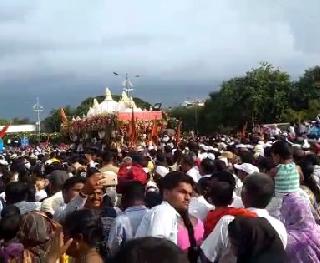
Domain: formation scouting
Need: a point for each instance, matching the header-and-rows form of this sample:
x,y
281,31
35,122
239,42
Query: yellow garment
x,y
150,166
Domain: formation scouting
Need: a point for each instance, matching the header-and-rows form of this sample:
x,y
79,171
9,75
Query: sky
x,y
65,51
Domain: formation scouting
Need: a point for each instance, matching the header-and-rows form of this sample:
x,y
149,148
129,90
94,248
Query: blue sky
x,y
65,51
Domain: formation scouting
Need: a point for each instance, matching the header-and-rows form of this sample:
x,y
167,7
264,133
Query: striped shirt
x,y
287,179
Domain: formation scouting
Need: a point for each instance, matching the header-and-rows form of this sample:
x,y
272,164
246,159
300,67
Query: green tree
x,y
261,96
304,92
53,121
187,115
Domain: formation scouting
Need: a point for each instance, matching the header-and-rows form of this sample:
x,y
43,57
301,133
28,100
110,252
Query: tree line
x,y
263,95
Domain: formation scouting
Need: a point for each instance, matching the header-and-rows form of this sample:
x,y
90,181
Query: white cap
x,y
140,148
306,144
152,186
205,148
3,162
162,171
247,167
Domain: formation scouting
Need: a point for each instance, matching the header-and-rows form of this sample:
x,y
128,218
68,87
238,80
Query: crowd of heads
x,y
106,203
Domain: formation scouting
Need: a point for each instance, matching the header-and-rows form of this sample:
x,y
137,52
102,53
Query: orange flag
x,y
3,132
63,115
133,130
154,131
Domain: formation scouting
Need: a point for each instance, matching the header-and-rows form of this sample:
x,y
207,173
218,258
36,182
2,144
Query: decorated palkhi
x,y
114,121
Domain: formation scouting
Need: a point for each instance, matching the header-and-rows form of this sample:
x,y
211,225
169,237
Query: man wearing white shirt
x,y
17,194
256,194
162,220
188,167
126,225
71,199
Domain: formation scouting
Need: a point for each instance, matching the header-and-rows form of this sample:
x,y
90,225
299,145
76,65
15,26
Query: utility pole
x,y
38,108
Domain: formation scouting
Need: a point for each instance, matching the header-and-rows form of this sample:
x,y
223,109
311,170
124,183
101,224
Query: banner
x,y
140,116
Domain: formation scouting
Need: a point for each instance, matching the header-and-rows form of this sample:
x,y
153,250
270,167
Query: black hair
x,y
256,241
133,191
57,178
167,149
193,250
152,199
72,181
137,157
173,179
265,164
9,227
221,193
91,151
307,168
10,222
161,159
31,193
86,222
91,171
260,189
246,157
219,165
10,210
148,249
283,149
208,166
16,192
170,159
108,156
225,176
188,159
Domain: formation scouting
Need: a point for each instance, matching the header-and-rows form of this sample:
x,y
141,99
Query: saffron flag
x,y
3,132
63,115
133,130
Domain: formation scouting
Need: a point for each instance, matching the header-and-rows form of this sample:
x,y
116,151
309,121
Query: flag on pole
x,y
154,131
3,132
133,130
63,115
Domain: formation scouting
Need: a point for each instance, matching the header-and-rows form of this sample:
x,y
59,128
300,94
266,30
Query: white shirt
x,y
216,245
52,203
199,207
160,221
64,209
126,226
194,174
26,207
39,195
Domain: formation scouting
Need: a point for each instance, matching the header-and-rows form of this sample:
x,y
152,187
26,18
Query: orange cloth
x,y
215,215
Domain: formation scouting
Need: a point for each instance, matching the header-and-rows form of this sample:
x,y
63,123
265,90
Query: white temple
x,y
126,104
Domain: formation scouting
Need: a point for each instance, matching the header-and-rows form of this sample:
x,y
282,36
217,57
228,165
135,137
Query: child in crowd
x,y
286,175
221,197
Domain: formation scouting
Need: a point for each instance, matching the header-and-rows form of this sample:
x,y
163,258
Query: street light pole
x,y
127,85
38,108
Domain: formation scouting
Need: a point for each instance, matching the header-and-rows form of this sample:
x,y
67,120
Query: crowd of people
x,y
207,199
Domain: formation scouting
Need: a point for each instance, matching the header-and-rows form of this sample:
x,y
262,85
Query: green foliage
x,y
263,95
53,121
15,121
187,115
3,122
